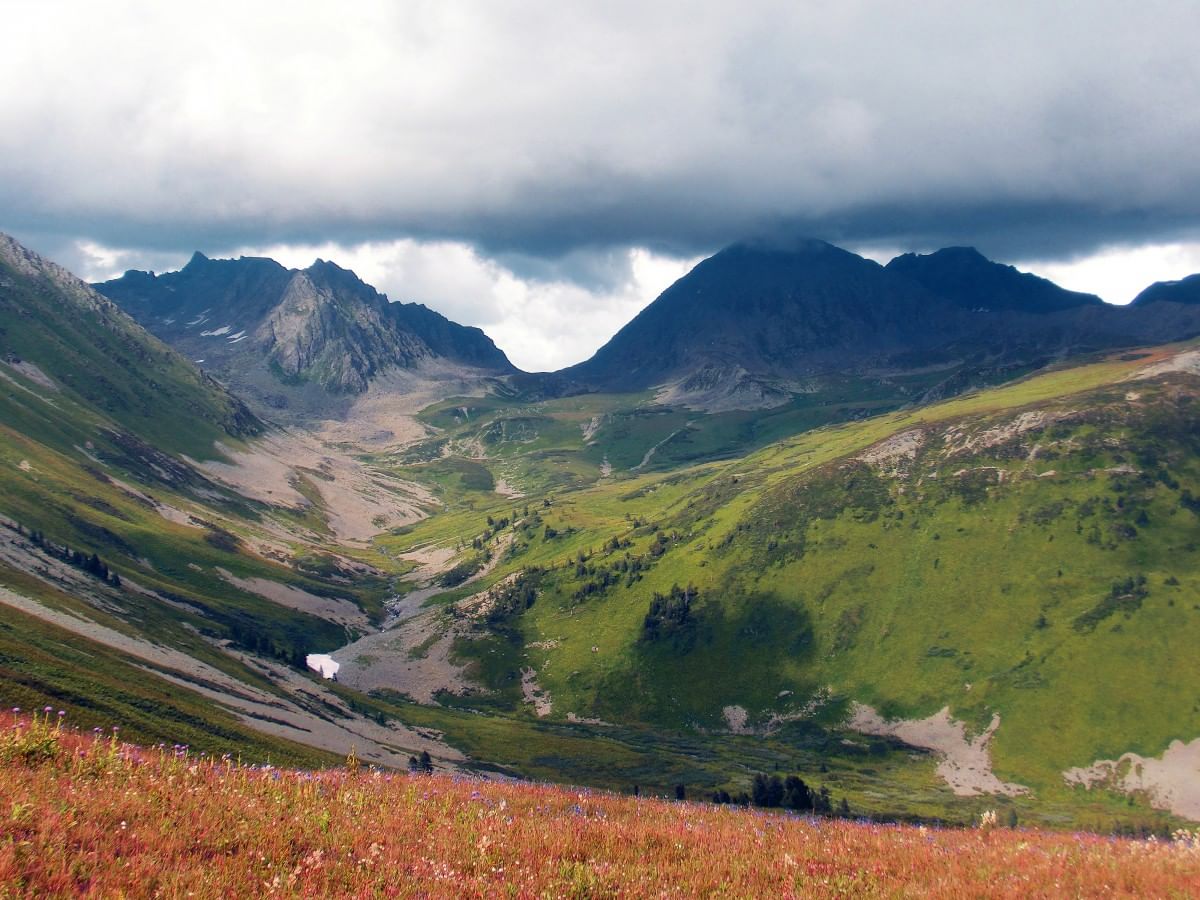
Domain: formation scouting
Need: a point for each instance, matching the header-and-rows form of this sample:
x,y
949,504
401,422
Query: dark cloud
x,y
550,136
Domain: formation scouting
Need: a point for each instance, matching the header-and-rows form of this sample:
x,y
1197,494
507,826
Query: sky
x,y
544,170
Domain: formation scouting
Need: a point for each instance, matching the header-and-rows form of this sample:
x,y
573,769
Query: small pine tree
x,y
775,791
797,795
758,790
822,802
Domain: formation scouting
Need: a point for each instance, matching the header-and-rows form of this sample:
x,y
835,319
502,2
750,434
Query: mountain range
x,y
751,327
757,322
924,532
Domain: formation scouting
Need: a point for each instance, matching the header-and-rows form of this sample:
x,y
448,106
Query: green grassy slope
x,y
97,356
565,443
1033,556
42,665
97,420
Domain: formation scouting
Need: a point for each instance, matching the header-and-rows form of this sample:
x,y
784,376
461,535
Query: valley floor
x,y
89,815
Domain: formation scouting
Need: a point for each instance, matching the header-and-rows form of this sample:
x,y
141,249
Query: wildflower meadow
x,y
87,814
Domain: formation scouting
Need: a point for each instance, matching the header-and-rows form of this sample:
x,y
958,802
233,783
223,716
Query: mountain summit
x,y
764,313
290,338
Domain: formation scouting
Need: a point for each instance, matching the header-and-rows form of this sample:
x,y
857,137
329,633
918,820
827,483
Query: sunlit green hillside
x,y
1026,552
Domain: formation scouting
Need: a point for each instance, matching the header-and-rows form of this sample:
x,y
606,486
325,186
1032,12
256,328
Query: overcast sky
x,y
543,170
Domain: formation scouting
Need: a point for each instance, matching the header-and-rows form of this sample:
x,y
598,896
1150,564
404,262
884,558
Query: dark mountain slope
x,y
757,323
773,312
1186,290
966,278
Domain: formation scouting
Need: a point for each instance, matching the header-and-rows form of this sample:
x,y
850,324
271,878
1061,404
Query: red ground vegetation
x,y
88,815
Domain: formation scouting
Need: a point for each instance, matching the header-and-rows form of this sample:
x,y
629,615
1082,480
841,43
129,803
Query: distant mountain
x,y
967,278
760,322
1186,291
768,311
62,337
286,337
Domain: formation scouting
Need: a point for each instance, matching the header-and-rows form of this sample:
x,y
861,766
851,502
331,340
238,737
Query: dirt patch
x,y
334,609
716,389
966,764
1170,781
959,440
590,427
33,373
587,720
736,718
413,655
22,387
384,418
413,659
357,502
1187,362
504,489
533,693
890,454
650,453
432,559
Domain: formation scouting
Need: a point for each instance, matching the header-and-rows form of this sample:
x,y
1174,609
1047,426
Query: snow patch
x,y
323,663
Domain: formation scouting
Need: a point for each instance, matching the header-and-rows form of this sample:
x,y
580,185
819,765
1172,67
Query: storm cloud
x,y
555,138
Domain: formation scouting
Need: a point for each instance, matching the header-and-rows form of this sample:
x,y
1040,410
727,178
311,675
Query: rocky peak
x,y
285,336
315,332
